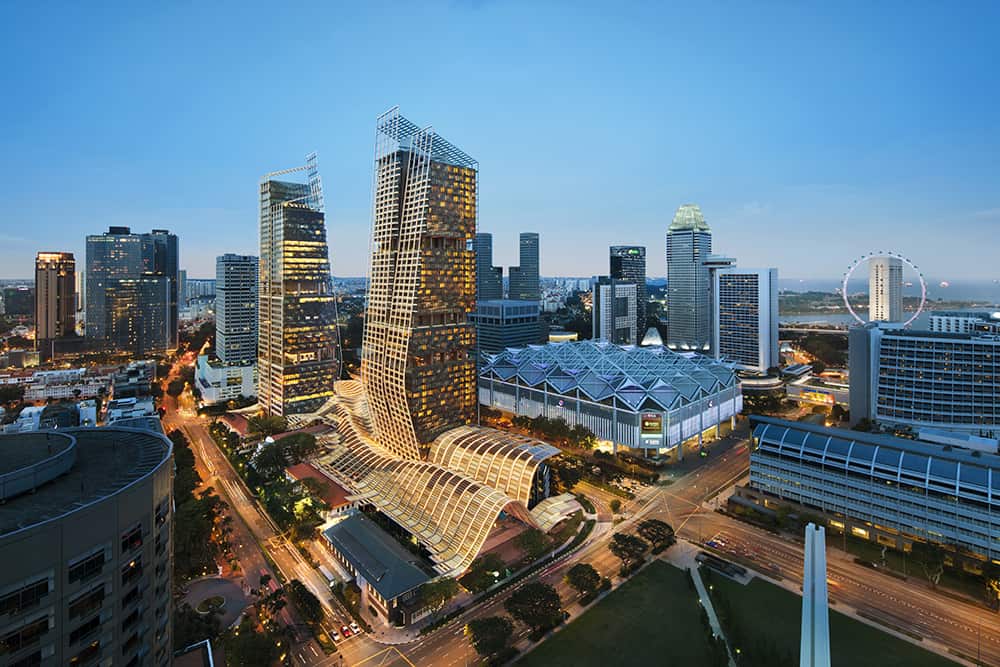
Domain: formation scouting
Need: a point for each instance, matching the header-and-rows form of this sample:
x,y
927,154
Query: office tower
x,y
182,278
524,277
138,315
614,311
891,491
745,325
689,243
297,355
19,301
55,302
628,264
417,359
885,289
503,323
86,547
236,308
119,255
81,295
489,278
921,379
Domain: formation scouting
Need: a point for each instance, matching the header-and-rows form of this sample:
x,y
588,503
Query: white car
x,y
335,635
354,627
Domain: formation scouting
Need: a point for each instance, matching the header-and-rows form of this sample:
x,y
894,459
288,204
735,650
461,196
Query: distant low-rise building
x,y
219,382
330,492
504,323
129,408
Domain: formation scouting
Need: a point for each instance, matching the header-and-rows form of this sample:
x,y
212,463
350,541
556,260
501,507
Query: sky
x,y
809,133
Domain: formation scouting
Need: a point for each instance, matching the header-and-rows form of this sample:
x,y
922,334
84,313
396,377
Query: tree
x,y
537,605
616,505
190,627
534,542
483,573
436,594
175,388
307,603
269,460
628,548
245,647
818,367
656,532
298,446
584,578
838,413
491,635
265,425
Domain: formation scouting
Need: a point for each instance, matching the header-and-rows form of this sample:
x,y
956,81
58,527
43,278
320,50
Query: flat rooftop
x,y
22,450
107,460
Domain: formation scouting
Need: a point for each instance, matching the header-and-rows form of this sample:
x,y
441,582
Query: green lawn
x,y
774,614
651,620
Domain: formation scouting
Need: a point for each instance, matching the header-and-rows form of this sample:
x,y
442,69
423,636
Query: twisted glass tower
x,y
297,323
417,360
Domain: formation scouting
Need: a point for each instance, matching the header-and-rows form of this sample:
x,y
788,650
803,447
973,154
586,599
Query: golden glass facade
x,y
418,363
297,325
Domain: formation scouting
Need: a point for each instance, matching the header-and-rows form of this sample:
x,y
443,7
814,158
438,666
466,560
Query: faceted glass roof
x,y
688,219
600,370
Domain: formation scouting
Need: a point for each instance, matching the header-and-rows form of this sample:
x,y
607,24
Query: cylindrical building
x,y
85,543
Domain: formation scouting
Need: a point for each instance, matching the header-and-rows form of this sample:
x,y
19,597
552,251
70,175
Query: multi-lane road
x,y
686,504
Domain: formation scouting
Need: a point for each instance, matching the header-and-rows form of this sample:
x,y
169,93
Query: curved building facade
x,y
85,539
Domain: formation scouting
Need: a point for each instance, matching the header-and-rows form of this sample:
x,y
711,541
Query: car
x,y
346,631
336,637
354,628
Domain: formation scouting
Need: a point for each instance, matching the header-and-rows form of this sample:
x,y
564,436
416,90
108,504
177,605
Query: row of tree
x,y
557,429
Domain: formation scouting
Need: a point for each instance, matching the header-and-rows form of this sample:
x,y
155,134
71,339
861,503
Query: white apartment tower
x,y
745,326
885,289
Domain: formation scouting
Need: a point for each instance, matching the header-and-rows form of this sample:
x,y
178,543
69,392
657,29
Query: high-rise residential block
x,y
614,311
689,243
236,308
919,379
418,350
146,260
87,548
628,264
489,278
745,312
885,289
524,278
55,302
297,347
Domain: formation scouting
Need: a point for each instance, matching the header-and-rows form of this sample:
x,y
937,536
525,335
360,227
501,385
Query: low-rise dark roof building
x,y
387,573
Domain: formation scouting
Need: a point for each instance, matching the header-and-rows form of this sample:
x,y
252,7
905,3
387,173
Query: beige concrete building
x,y
85,542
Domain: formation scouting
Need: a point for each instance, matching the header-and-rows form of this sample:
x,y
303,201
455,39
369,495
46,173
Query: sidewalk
x,y
713,620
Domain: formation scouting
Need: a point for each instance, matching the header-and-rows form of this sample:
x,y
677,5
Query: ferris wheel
x,y
891,255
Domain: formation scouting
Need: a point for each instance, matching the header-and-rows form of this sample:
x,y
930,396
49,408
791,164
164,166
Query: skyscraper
x,y
417,359
614,311
297,355
236,308
118,255
55,303
745,326
689,243
489,278
628,264
524,278
885,289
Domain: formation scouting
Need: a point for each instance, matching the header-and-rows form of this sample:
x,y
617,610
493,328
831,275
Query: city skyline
x,y
907,143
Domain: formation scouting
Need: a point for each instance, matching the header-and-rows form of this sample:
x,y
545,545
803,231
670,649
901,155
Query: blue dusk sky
x,y
809,133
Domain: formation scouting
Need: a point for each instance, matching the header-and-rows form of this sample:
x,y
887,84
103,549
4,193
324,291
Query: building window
x,y
27,635
131,571
132,539
89,567
87,602
25,597
87,654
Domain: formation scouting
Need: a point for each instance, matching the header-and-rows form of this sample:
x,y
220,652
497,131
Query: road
x,y
253,530
943,621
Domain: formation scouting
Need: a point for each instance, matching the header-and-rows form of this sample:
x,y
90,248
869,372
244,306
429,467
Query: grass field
x,y
654,619
768,611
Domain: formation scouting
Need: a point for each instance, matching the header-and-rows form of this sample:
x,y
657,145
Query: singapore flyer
x,y
884,254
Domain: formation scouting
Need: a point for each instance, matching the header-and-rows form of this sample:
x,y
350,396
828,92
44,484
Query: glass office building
x,y
524,283
297,347
689,243
628,265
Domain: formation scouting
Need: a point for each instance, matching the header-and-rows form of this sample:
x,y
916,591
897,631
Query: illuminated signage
x,y
652,424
